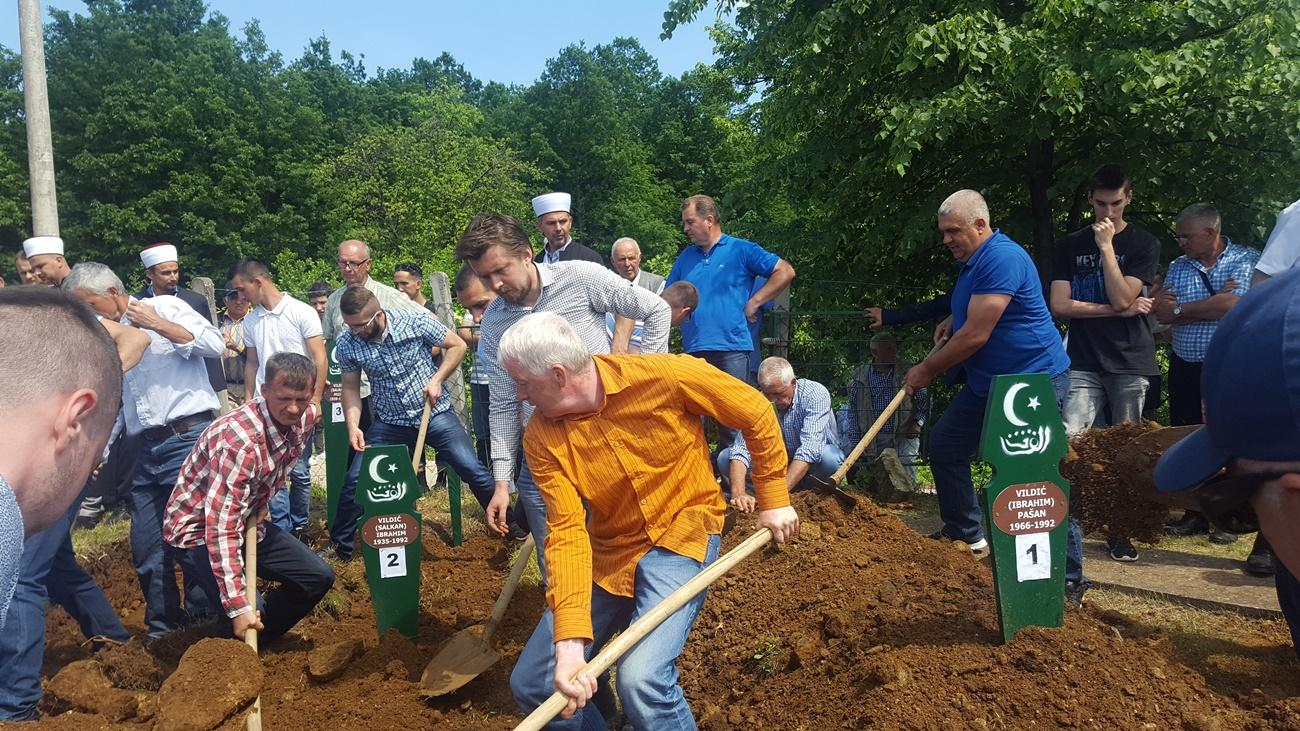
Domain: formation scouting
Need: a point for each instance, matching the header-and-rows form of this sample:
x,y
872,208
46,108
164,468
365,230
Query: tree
x,y
872,111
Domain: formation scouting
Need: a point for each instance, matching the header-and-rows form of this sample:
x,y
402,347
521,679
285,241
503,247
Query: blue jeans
x,y
479,400
953,442
290,508
448,438
1288,597
157,465
734,363
303,580
818,473
1092,394
647,675
48,570
532,506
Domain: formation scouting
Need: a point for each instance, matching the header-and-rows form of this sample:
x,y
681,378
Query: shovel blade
x,y
461,660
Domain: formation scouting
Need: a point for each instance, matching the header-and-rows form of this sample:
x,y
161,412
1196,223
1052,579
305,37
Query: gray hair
x,y
93,277
365,248
1202,213
775,370
626,240
883,338
541,340
967,205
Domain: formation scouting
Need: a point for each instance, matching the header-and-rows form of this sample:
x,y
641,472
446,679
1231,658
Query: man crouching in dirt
x,y
1245,462
228,479
632,506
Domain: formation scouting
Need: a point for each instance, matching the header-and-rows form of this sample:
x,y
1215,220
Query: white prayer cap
x,y
37,245
551,202
156,254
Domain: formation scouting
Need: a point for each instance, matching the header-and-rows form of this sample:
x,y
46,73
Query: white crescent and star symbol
x,y
1008,405
374,468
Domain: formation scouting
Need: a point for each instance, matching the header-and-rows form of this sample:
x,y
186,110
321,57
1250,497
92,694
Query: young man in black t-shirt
x,y
1097,285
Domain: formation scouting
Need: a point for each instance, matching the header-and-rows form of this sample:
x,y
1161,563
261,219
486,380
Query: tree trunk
x,y
1040,177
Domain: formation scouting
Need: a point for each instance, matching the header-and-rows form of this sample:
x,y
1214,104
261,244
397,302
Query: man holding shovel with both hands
x,y
236,465
618,451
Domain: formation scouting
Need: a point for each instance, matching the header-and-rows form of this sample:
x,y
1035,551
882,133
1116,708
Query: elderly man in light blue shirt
x,y
807,425
167,401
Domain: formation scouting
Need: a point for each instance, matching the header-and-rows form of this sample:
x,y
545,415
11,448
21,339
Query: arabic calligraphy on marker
x,y
1026,441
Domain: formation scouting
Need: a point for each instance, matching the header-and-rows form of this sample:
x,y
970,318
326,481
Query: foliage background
x,y
829,130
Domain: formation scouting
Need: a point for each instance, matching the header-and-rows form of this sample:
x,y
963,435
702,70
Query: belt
x,y
176,427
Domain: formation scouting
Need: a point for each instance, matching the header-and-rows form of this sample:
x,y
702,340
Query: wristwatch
x,y
1178,310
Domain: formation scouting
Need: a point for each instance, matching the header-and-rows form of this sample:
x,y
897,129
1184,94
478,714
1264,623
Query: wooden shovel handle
x,y
419,440
616,647
881,420
508,591
250,592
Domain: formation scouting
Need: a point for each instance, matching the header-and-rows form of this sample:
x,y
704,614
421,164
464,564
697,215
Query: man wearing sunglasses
x,y
1243,466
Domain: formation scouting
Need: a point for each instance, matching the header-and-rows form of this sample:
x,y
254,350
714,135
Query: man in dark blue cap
x,y
1244,464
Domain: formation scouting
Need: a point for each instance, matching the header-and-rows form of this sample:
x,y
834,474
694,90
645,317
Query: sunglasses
x,y
366,324
1225,499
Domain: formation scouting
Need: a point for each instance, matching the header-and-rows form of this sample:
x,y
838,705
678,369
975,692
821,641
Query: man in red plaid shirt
x,y
239,461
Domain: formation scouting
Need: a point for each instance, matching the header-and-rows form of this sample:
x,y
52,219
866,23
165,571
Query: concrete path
x,y
1205,581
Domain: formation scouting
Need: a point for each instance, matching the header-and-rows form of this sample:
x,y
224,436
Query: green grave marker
x,y
390,536
1026,502
336,434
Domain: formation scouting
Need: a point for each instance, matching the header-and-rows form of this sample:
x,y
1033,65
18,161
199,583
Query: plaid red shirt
x,y
238,462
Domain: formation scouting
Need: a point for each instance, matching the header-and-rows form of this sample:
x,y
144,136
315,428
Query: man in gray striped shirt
x,y
497,249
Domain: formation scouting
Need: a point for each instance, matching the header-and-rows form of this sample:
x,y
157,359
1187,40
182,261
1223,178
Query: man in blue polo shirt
x,y
1000,324
723,269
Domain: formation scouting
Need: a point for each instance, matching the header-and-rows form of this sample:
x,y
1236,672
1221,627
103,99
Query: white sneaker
x,y
980,545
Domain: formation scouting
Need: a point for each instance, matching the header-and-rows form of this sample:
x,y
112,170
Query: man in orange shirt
x,y
617,448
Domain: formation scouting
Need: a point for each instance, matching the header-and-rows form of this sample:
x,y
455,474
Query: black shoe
x,y
1074,591
1192,523
1222,537
1121,549
331,553
1260,562
300,534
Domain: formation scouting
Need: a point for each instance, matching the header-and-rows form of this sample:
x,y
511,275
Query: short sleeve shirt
x,y
11,546
1190,282
1024,340
1282,251
725,278
399,365
1119,345
284,329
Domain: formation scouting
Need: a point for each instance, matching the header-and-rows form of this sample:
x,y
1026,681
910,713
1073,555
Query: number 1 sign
x,y
1027,501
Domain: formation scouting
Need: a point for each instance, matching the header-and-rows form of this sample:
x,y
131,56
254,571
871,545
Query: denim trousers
x,y
301,576
734,363
479,401
953,442
1092,393
291,507
48,570
448,438
819,472
647,675
156,468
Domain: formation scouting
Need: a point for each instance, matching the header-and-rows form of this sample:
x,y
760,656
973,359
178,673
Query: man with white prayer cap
x,y
162,271
555,222
45,254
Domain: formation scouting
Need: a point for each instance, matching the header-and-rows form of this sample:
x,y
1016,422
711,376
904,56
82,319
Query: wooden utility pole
x,y
40,146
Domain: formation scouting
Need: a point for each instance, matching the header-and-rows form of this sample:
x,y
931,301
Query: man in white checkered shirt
x,y
496,247
1200,287
808,428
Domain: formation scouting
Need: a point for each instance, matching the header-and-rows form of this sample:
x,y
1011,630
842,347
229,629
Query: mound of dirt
x,y
861,624
1106,497
875,626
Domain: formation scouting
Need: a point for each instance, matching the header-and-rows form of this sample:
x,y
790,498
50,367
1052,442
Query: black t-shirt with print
x,y
1121,345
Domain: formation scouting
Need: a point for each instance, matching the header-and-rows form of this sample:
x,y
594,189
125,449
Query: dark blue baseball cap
x,y
1250,383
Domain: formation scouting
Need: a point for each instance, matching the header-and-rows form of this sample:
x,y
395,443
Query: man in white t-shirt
x,y
1282,252
280,324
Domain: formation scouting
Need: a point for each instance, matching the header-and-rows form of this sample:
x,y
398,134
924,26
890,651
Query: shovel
x,y
419,440
615,648
250,591
470,652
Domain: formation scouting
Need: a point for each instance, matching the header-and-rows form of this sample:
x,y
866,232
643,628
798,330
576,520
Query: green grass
x,y
94,543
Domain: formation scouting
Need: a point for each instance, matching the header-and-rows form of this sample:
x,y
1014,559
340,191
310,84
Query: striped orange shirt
x,y
641,466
